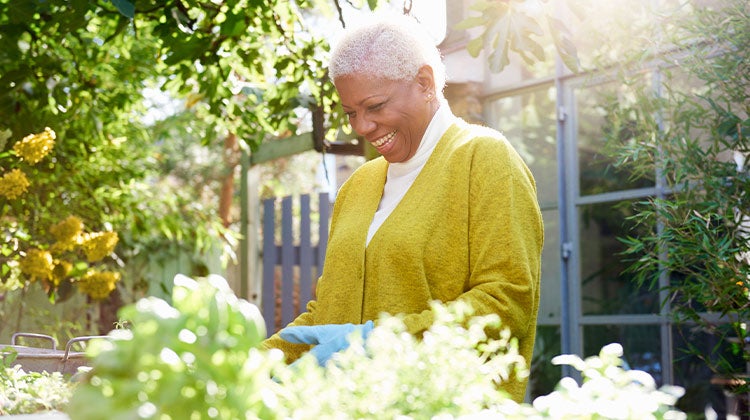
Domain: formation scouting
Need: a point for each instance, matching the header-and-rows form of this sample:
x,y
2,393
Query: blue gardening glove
x,y
327,339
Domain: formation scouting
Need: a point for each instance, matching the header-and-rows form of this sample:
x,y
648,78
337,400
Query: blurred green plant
x,y
200,359
195,358
518,26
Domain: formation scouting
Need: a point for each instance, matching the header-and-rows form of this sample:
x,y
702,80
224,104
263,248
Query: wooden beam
x,y
274,149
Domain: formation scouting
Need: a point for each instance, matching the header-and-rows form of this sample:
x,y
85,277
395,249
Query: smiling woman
x,y
392,115
447,213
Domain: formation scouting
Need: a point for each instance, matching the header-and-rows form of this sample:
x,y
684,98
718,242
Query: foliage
x,y
84,68
31,392
224,57
693,138
608,388
514,25
67,255
200,359
452,371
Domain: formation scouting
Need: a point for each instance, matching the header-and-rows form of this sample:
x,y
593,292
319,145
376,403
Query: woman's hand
x,y
327,339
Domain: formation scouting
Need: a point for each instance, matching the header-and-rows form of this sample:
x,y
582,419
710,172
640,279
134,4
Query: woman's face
x,y
390,114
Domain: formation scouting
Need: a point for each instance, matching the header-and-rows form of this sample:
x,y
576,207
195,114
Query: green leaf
x,y
481,5
125,7
233,25
469,23
474,47
565,47
499,59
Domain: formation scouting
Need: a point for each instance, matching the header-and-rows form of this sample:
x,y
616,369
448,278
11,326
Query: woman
x,y
448,212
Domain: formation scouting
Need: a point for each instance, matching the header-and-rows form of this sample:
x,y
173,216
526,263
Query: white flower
x,y
739,159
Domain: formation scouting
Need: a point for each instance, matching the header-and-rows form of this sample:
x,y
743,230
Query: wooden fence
x,y
291,267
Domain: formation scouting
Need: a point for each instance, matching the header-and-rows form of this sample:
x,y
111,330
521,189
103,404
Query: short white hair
x,y
393,47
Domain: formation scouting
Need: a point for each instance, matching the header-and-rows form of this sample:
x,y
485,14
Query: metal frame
x,y
572,320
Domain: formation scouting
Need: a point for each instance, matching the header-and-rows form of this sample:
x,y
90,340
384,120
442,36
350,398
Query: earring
x,y
429,97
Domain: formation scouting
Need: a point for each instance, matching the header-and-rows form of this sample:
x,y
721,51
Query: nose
x,y
362,125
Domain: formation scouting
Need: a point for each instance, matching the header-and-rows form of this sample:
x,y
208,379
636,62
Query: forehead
x,y
356,89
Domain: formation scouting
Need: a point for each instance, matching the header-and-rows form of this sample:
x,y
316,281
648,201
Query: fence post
x,y
287,262
268,295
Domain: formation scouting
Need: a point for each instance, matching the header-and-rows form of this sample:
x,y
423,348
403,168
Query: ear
x,y
426,79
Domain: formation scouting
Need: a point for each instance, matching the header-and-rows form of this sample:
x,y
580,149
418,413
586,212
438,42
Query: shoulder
x,y
481,144
369,172
368,169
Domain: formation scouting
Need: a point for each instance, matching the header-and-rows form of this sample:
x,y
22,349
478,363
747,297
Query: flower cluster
x,y
98,245
35,147
68,259
13,183
32,149
98,284
68,234
38,264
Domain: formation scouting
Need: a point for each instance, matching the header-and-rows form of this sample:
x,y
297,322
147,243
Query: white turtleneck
x,y
402,174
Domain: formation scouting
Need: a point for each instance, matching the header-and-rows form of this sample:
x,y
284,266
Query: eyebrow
x,y
367,99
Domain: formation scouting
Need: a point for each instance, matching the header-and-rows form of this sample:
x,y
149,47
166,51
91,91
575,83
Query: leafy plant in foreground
x,y
196,359
31,392
200,359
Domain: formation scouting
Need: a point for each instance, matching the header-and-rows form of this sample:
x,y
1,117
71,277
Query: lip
x,y
384,140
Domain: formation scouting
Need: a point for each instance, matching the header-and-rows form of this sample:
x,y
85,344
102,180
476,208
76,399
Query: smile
x,y
384,140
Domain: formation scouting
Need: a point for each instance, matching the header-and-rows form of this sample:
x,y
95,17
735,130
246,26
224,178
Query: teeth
x,y
383,140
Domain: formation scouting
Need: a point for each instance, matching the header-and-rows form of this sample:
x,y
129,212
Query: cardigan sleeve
x,y
291,351
505,241
505,238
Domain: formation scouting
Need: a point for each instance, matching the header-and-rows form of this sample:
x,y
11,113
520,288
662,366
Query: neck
x,y
434,106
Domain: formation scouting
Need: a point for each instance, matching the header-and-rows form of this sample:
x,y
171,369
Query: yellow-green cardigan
x,y
469,228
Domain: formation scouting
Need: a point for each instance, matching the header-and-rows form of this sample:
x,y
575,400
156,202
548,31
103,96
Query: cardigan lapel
x,y
347,266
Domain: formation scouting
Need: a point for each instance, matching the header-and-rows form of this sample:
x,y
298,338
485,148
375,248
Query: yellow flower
x,y
68,233
98,245
35,147
61,270
37,263
13,184
98,284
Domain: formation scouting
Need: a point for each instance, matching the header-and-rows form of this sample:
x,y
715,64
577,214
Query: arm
x,y
505,236
292,351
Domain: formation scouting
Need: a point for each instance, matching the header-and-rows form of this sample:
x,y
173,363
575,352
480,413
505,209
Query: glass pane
x,y
550,303
599,116
545,375
702,386
528,121
641,345
605,287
